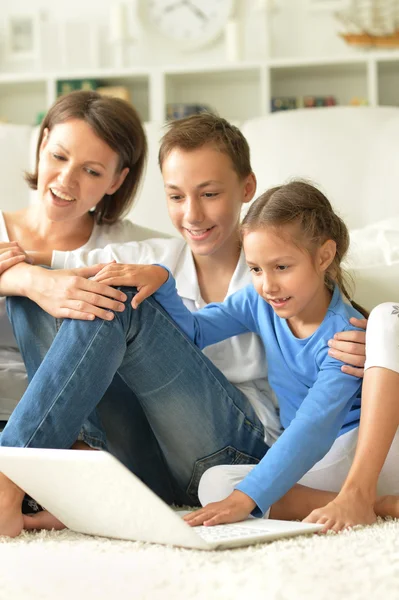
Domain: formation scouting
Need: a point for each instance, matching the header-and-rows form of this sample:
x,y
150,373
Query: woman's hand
x,y
236,507
350,348
11,253
69,294
146,278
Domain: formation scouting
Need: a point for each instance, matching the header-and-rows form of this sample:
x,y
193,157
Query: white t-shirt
x,y
13,378
241,359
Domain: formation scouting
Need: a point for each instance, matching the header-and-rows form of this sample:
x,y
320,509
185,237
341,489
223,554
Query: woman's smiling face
x,y
76,169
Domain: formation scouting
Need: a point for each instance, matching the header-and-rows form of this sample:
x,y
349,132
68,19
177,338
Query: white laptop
x,y
93,493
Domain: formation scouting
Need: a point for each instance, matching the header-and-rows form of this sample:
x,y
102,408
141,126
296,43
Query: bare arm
x,y
64,294
350,348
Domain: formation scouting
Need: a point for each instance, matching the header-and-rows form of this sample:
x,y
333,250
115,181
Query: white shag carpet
x,y
358,564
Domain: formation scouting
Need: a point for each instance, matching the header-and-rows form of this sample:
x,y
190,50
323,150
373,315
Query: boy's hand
x,y
146,278
236,507
350,347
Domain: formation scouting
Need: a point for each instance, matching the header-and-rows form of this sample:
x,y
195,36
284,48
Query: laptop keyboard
x,y
219,533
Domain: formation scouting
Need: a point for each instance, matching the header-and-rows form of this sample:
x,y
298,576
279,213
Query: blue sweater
x,y
318,402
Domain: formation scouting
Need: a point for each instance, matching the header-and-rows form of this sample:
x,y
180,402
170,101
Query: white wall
x,y
296,31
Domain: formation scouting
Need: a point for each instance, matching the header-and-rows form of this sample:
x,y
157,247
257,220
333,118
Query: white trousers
x,y
382,350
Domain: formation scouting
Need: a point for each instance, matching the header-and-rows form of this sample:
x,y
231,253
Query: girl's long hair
x,y
300,203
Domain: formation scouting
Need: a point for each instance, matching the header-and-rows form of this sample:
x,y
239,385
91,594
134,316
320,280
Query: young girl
x,y
355,504
294,244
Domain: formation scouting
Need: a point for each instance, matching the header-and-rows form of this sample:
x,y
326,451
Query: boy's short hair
x,y
206,129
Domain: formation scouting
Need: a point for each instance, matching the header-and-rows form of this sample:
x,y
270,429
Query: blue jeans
x,y
198,418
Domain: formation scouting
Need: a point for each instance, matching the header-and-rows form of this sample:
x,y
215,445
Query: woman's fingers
x,y
12,249
4,246
11,254
87,306
87,298
7,263
65,294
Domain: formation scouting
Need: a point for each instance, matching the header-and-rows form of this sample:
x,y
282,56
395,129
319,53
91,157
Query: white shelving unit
x,y
237,91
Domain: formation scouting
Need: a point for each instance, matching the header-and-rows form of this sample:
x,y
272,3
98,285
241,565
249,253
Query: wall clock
x,y
187,23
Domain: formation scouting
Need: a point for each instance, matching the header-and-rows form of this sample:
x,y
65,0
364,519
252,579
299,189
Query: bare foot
x,y
11,518
345,511
387,506
42,520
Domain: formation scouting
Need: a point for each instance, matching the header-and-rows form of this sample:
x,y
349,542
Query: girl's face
x,y
76,169
286,276
205,197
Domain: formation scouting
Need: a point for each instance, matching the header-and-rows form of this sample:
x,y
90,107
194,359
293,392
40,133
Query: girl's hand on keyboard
x,y
236,507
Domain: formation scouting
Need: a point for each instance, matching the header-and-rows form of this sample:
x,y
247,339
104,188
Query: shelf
x,y
138,88
237,91
21,102
344,81
218,88
388,83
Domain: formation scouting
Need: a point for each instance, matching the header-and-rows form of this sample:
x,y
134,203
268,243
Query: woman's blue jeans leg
x,y
118,424
198,417
35,330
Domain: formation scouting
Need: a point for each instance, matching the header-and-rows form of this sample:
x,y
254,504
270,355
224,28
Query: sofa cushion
x,y
373,262
351,153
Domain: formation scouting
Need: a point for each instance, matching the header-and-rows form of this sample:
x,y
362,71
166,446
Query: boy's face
x,y
205,196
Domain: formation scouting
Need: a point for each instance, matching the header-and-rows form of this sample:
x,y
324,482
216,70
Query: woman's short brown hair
x,y
117,123
206,129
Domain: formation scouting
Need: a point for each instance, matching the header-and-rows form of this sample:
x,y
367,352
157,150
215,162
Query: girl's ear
x,y
249,188
119,179
326,254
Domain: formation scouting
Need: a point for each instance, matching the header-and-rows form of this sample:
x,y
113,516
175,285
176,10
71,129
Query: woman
x,y
90,159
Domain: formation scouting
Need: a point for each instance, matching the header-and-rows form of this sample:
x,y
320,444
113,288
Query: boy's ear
x,y
249,188
326,254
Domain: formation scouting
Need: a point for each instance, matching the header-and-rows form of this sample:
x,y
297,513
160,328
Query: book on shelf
x,y
291,102
179,110
65,86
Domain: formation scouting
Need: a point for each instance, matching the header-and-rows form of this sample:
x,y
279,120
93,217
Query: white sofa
x,y
351,153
